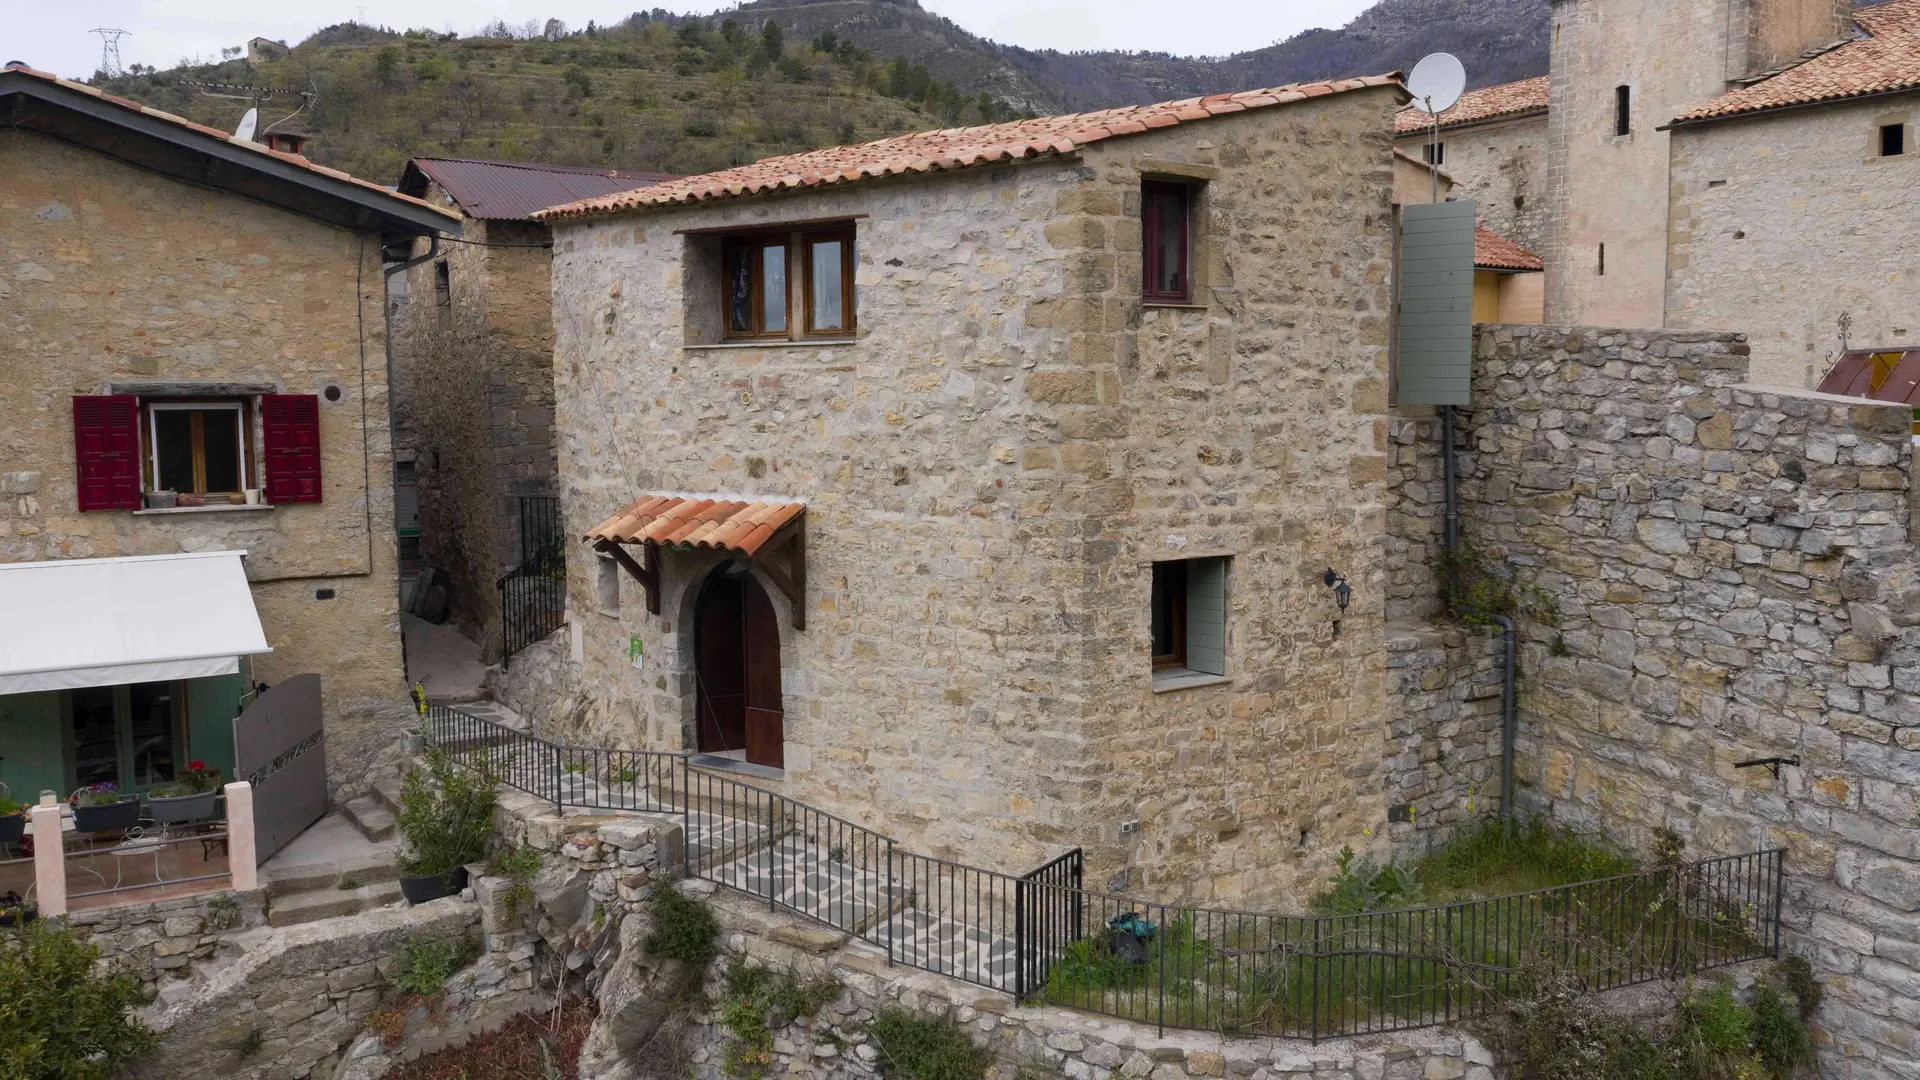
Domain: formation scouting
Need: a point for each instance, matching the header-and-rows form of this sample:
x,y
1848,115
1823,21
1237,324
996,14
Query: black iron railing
x,y
1044,936
533,595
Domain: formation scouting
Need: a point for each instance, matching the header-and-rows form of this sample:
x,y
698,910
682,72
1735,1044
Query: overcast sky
x,y
53,34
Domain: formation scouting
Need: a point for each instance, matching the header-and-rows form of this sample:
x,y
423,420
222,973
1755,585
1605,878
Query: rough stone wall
x,y
168,940
1502,167
1443,730
1612,189
111,275
1781,224
1735,579
1011,440
474,406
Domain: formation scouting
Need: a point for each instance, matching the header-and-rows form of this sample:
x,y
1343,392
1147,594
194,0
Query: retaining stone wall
x,y
1442,763
169,939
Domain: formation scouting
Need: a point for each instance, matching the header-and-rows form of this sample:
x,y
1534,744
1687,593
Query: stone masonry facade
x,y
991,467
1502,167
1735,578
112,276
1780,225
473,405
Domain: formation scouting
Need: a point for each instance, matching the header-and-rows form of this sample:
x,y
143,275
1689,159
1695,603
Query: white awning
x,y
102,622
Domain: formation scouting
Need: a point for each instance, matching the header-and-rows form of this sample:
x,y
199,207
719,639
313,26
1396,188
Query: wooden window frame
x,y
1176,658
150,440
1150,252
795,244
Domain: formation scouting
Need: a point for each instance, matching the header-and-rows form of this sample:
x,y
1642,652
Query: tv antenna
x,y
247,125
110,49
1435,84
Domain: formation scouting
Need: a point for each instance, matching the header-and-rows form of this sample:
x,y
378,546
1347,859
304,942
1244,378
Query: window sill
x,y
1165,682
1151,304
214,509
777,343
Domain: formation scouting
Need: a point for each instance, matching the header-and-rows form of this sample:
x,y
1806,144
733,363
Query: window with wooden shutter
x,y
106,450
290,440
1189,617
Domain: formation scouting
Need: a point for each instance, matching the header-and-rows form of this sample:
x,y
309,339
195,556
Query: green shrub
x,y
446,815
1351,891
518,866
60,1018
1500,855
1779,1035
926,1048
423,967
759,1001
683,928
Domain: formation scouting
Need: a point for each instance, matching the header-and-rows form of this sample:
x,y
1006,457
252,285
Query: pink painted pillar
x,y
49,861
241,861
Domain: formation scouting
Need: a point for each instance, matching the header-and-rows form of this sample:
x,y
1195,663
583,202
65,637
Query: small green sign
x,y
636,652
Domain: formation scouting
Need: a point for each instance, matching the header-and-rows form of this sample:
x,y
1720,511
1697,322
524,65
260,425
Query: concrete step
x,y
386,791
309,907
371,815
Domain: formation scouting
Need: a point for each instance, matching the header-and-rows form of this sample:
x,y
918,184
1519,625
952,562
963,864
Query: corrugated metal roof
x,y
513,190
1880,374
697,521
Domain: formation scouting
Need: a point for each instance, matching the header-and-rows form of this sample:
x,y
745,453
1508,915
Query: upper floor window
x,y
758,298
1893,140
1188,616
1166,218
1622,111
133,451
1434,153
198,448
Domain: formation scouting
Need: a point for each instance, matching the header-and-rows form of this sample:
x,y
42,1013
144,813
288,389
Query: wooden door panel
x,y
720,663
765,714
766,737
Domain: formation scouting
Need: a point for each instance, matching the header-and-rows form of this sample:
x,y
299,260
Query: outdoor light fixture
x,y
1342,592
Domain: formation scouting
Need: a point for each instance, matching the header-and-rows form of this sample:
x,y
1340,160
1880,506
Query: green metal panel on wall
x,y
1435,353
32,742
212,704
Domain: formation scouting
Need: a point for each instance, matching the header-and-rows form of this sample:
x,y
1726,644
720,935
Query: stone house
x,y
1714,164
196,315
473,372
983,486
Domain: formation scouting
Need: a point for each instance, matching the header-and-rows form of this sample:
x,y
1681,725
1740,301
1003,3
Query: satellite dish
x,y
252,120
1436,82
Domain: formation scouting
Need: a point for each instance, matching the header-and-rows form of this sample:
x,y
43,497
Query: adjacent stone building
x,y
1007,525
473,371
193,365
1493,143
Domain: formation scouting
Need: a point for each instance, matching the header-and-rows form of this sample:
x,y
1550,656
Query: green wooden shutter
x,y
1435,356
1207,616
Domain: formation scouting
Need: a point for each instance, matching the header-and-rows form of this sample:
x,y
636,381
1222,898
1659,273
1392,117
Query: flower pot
x,y
25,915
181,808
12,828
112,817
419,890
161,500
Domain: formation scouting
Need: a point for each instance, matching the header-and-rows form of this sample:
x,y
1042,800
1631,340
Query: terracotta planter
x,y
182,808
420,890
113,817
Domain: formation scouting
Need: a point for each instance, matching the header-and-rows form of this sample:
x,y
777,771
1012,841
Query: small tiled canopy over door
x,y
106,450
290,438
1207,616
1435,355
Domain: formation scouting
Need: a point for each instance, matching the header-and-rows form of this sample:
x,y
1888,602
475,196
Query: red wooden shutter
x,y
290,426
106,451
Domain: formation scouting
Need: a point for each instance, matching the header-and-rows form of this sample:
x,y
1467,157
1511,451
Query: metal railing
x,y
1044,936
533,595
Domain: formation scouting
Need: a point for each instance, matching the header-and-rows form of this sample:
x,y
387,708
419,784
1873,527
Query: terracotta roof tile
x,y
1886,57
952,148
224,136
1487,103
1491,251
696,521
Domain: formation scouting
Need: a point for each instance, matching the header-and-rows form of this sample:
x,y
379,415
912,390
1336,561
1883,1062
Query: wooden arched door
x,y
736,648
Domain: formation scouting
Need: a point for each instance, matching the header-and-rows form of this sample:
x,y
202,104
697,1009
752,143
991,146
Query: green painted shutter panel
x,y
1435,357
212,705
1207,616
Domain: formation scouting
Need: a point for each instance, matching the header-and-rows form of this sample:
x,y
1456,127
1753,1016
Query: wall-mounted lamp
x,y
1342,592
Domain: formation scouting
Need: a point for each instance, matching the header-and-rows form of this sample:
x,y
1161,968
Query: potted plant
x,y
101,808
161,500
189,798
15,911
445,819
13,821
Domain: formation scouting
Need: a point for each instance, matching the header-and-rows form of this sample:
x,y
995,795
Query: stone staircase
x,y
347,863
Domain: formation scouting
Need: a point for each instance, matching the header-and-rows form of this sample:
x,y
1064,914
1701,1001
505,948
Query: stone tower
x,y
1620,69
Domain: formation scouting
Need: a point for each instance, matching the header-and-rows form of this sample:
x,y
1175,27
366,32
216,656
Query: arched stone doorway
x,y
736,663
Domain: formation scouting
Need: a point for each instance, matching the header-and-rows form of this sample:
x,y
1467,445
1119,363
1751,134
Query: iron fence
x,y
533,595
1044,936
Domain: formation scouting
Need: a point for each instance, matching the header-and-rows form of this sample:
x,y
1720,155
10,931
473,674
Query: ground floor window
x,y
132,736
1189,616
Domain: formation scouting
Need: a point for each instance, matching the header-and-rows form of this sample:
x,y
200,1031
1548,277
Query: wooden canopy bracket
x,y
648,576
790,578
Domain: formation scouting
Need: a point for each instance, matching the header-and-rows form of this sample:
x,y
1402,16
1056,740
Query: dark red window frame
x,y
1152,211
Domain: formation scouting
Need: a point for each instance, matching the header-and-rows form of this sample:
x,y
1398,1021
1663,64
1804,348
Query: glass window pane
x,y
96,738
152,733
173,445
1169,242
740,291
829,312
773,288
220,441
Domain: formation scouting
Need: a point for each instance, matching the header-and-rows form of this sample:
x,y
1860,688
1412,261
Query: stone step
x,y
371,816
386,791
309,907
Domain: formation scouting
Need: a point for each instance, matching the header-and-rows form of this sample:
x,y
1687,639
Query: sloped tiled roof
x,y
224,136
695,521
513,190
1491,251
1885,58
953,148
1475,106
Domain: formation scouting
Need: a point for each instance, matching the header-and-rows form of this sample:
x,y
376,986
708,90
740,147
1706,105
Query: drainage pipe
x,y
1453,496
